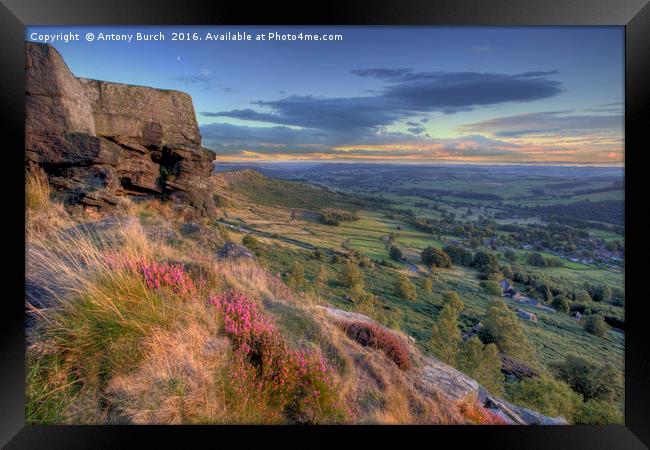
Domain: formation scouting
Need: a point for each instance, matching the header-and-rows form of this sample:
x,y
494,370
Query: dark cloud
x,y
405,93
417,130
383,74
548,122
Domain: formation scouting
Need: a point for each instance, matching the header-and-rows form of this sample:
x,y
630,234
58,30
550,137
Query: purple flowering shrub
x,y
298,382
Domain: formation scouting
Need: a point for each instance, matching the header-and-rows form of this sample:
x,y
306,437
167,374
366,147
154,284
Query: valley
x,y
459,207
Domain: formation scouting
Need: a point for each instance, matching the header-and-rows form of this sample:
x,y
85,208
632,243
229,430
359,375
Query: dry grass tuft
x,y
37,189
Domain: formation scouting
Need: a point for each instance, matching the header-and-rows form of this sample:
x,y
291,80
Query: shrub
x,y
351,275
395,253
538,260
482,363
358,293
459,255
601,294
155,275
376,336
334,217
561,303
218,200
253,244
595,324
445,335
299,382
504,329
296,275
597,412
491,287
486,262
546,395
591,380
404,288
435,258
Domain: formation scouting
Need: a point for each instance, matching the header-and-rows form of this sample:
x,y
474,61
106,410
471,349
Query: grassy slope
x,y
109,347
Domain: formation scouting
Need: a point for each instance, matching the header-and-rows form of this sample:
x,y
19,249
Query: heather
x,y
368,334
299,382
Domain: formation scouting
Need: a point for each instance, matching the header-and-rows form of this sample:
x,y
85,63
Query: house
x,y
505,285
576,315
526,315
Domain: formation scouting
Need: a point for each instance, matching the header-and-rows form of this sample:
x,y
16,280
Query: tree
x,y
427,286
351,275
546,395
491,287
296,275
582,297
435,258
595,324
602,294
510,255
404,288
395,253
561,303
445,336
536,259
319,255
593,381
504,329
459,255
598,412
482,363
486,262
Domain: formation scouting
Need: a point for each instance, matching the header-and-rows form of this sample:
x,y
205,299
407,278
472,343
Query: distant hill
x,y
258,188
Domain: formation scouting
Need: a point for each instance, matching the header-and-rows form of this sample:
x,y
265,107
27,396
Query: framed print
x,y
350,221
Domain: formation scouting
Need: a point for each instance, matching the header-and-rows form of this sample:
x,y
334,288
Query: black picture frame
x,y
634,15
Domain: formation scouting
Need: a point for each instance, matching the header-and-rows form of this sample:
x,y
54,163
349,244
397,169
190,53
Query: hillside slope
x,y
135,319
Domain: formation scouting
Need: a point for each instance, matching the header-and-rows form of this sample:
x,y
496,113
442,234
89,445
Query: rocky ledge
x,y
431,375
98,141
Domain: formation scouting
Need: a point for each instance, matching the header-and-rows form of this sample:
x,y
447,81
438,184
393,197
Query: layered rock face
x,y
98,141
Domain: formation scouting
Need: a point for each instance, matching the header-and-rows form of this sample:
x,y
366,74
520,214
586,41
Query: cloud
x,y
405,93
204,78
557,123
417,130
290,143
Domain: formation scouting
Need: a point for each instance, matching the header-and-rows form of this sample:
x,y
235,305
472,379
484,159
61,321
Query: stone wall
x,y
99,141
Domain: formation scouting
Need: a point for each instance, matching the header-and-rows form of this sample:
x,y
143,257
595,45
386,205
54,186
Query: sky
x,y
504,95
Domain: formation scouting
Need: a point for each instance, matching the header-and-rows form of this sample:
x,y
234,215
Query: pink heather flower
x,y
281,371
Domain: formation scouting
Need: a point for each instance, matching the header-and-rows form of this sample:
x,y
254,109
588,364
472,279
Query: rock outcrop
x,y
431,375
99,141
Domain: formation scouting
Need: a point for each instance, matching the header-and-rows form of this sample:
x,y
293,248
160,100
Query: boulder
x,y
234,251
99,141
